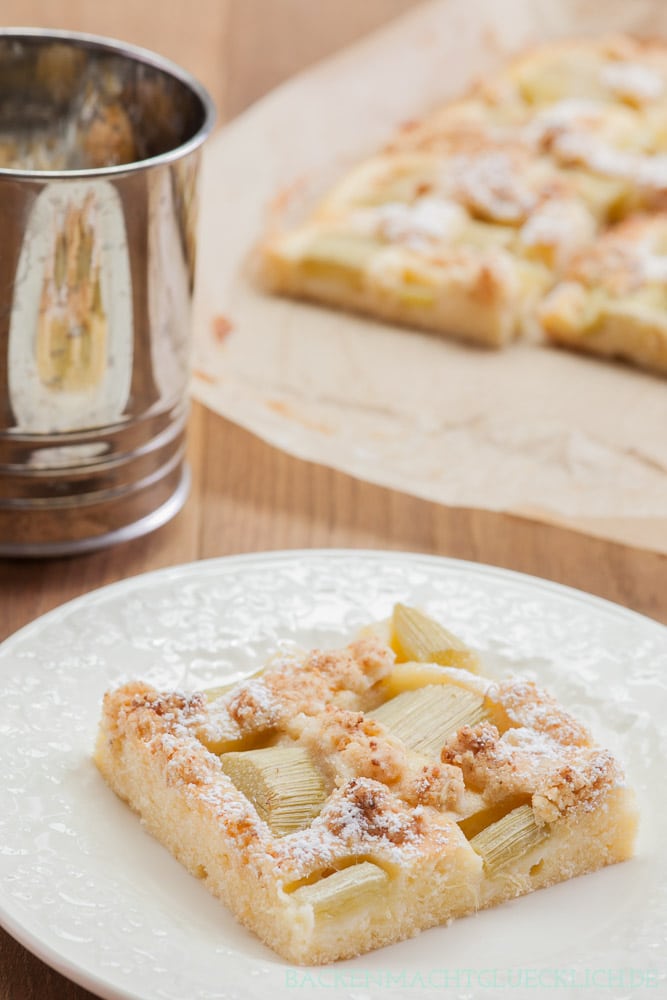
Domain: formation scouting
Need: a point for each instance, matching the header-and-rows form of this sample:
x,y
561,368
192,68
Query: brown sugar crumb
x,y
576,785
366,810
349,744
148,712
616,268
300,688
253,707
358,667
526,705
522,761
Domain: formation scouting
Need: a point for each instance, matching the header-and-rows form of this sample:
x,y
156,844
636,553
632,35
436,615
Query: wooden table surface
x,y
254,497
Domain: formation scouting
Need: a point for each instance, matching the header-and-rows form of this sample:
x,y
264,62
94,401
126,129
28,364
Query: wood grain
x,y
272,40
246,495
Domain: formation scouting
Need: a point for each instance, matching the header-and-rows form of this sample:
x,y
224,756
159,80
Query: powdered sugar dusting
x,y
363,817
649,171
653,267
563,224
566,114
254,701
296,685
633,81
582,147
652,171
491,184
417,225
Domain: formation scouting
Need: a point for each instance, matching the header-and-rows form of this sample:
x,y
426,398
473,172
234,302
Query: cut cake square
x,y
468,218
464,245
342,801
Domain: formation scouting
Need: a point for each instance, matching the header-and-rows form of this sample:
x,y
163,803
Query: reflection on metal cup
x,y
99,154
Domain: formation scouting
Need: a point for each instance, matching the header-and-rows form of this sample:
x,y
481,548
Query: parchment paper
x,y
530,430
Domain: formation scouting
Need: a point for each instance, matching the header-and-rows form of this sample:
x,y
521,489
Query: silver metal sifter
x,y
99,154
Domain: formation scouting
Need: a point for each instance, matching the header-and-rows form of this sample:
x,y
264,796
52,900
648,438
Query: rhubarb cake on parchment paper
x,y
339,801
468,218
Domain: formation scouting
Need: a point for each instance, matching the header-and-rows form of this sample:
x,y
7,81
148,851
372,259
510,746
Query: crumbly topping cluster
x,y
298,687
364,817
526,762
525,704
385,800
630,258
350,745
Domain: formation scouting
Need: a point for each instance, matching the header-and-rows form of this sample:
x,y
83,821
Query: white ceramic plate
x,y
89,892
